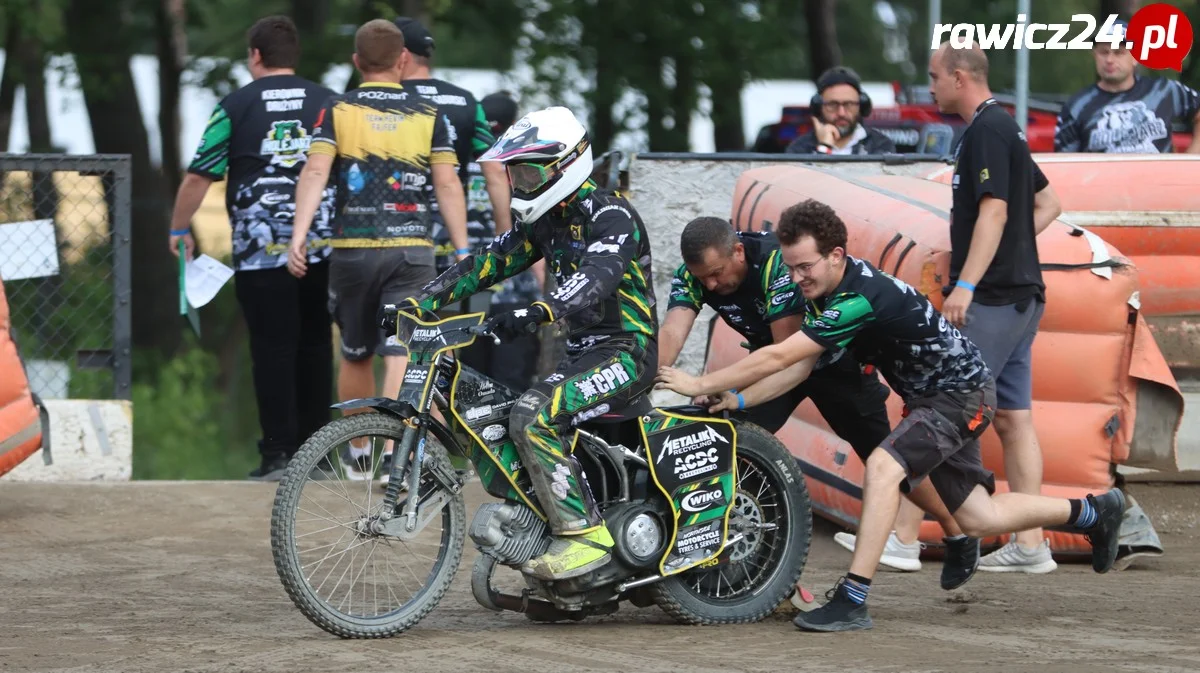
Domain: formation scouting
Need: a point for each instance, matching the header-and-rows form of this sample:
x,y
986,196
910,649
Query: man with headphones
x,y
837,110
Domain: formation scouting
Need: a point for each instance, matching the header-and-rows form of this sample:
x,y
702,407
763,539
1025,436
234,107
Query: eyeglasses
x,y
807,267
833,105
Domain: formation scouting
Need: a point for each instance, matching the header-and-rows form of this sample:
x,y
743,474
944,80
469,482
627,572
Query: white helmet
x,y
548,157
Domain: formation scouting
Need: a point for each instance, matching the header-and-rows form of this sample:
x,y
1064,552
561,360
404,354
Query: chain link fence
x,y
65,264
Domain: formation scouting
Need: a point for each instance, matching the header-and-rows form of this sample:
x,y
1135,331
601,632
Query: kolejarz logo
x,y
1158,35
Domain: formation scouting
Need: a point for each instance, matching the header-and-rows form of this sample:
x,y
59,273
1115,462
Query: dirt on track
x,y
157,577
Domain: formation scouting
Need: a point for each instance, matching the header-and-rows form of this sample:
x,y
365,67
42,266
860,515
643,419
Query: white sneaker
x,y
896,554
1013,558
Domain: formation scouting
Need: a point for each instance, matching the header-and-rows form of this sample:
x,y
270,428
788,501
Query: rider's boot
x,y
573,555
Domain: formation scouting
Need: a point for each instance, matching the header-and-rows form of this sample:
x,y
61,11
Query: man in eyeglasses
x,y
837,112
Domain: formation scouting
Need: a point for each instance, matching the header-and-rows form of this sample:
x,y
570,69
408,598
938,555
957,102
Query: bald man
x,y
1001,202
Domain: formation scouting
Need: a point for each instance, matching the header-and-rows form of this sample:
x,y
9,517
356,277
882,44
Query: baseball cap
x,y
500,110
417,38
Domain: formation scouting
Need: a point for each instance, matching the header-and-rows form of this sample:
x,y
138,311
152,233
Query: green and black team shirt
x,y
599,253
259,135
472,133
385,140
765,295
884,321
472,137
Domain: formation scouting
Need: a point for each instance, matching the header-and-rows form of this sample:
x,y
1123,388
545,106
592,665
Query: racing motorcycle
x,y
710,516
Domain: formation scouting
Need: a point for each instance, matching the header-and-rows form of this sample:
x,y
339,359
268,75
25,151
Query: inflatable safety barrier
x,y
1092,354
1148,207
20,422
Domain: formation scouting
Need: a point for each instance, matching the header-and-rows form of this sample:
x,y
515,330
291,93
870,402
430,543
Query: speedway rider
x,y
597,247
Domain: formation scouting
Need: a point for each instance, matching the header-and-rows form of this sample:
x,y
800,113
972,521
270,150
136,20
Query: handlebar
x,y
487,327
389,314
484,330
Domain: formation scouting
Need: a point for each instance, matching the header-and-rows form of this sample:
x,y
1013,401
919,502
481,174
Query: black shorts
x,y
851,402
361,280
939,438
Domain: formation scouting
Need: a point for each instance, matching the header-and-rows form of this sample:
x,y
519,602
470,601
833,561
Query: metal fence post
x,y
122,282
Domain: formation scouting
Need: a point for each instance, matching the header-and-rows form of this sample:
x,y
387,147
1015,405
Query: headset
x,y
839,75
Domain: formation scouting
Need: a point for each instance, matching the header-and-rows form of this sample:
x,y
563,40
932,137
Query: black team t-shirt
x,y
992,159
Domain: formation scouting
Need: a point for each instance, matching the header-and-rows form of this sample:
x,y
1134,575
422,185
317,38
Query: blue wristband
x,y
181,232
965,285
741,402
463,251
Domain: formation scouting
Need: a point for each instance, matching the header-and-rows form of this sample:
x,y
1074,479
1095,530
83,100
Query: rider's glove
x,y
388,313
512,324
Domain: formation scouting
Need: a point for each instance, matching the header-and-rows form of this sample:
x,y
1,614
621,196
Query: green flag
x,y
185,309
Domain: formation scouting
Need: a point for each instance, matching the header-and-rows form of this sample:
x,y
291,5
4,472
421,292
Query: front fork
x,y
409,456
414,435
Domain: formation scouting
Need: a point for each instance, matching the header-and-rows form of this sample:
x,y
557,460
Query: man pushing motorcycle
x,y
597,247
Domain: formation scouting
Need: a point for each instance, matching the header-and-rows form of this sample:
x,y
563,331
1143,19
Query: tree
x,y
822,34
171,49
9,80
102,44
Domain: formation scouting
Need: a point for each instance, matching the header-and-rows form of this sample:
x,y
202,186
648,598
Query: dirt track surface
x,y
178,577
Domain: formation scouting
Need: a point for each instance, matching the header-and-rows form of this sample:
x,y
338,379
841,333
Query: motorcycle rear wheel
x,y
772,504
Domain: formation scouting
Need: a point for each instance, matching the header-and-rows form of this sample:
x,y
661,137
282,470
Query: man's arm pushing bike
x,y
759,365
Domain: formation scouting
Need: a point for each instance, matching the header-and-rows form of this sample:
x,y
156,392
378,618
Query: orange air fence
x,y
1090,352
20,427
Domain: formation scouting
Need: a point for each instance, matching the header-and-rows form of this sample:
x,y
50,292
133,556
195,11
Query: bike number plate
x,y
693,462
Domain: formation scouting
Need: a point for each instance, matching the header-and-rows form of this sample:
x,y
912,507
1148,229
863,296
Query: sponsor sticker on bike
x,y
702,500
477,413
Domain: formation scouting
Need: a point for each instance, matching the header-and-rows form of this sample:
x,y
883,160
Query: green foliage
x,y
183,421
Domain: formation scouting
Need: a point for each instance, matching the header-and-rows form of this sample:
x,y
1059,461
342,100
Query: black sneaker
x,y
838,614
960,562
271,469
1105,535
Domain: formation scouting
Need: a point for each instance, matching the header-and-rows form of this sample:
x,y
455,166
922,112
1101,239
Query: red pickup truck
x,y
911,122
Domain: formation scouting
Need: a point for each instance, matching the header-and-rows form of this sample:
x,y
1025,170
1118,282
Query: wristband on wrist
x,y
965,285
462,251
824,149
741,402
181,232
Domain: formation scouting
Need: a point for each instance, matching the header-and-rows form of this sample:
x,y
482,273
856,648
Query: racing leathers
x,y
599,252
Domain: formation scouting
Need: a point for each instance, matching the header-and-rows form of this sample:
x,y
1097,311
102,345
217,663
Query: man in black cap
x,y
837,113
472,131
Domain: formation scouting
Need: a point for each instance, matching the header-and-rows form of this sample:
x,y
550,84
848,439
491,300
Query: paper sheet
x,y
204,278
29,250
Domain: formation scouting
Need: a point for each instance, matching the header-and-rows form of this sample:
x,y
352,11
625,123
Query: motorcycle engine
x,y
509,532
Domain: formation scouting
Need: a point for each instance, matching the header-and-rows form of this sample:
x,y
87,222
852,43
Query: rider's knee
x,y
524,414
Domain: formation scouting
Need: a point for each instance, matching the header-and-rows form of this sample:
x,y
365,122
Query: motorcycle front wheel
x,y
342,571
